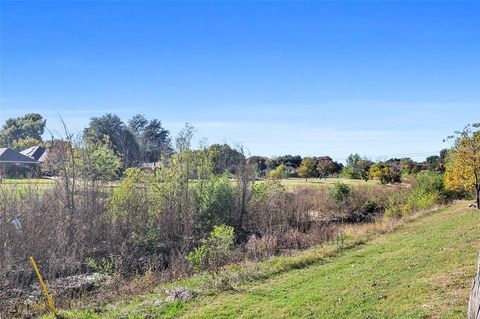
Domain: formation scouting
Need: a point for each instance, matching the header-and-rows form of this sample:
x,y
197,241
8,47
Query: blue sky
x,y
310,78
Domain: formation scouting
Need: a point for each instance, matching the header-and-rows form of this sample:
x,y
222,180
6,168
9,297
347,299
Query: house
x,y
290,170
14,164
38,153
149,167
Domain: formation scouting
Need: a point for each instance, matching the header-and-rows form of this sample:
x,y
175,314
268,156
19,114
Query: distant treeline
x,y
113,146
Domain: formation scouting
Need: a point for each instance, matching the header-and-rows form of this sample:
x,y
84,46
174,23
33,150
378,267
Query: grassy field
x,y
290,184
293,183
422,269
30,181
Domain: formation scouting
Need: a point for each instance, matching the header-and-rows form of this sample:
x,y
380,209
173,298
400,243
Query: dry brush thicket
x,y
150,222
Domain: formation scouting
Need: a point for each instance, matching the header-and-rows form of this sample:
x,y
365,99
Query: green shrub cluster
x,y
427,190
213,251
340,192
215,201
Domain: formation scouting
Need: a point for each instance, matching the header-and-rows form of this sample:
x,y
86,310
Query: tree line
x,y
109,146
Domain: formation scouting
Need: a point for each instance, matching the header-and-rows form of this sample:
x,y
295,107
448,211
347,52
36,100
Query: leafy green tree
x,y
215,202
463,161
225,158
384,173
432,160
156,141
279,172
363,166
437,162
20,145
443,155
153,140
137,124
326,166
259,162
307,168
294,161
122,140
357,168
28,127
353,159
407,166
351,170
99,162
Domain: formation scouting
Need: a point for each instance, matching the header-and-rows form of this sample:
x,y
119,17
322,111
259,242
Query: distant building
x,y
13,164
290,170
150,167
38,153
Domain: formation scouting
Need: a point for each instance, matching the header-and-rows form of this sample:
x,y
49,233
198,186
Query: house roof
x,y
8,155
148,165
38,153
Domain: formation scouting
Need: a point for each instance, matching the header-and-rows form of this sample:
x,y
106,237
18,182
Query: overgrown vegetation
x,y
463,168
214,251
427,190
200,210
392,268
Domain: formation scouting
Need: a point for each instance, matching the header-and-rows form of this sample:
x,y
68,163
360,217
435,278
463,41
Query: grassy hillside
x,y
423,269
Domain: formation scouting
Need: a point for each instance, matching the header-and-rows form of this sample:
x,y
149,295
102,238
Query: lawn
x,y
293,183
290,184
423,269
43,181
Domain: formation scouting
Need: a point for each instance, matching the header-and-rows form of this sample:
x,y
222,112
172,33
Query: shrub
x,y
263,190
396,204
102,265
427,190
130,197
215,202
214,251
268,208
340,192
279,172
384,173
430,182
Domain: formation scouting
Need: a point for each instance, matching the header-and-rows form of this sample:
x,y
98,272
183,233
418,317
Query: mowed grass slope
x,y
423,270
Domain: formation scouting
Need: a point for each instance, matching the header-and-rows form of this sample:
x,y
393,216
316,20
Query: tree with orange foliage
x,y
463,161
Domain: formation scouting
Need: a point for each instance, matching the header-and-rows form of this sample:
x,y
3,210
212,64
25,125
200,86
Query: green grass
x,y
290,184
293,183
43,181
423,269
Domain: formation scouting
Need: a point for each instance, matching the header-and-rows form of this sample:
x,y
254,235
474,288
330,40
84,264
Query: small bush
x,y
427,190
340,192
263,190
102,265
279,172
214,251
396,205
215,202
